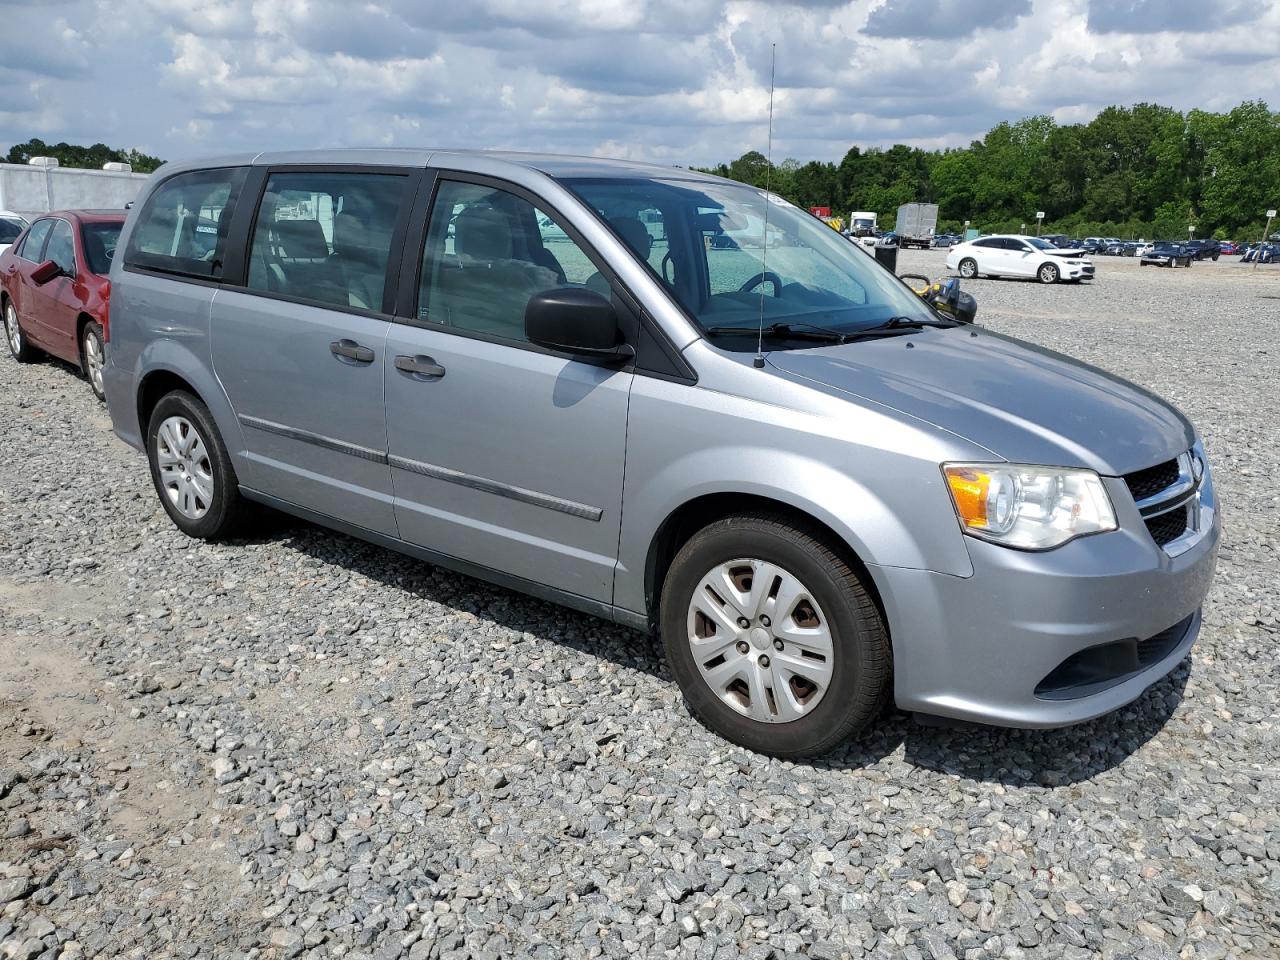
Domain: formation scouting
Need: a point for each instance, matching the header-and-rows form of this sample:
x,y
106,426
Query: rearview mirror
x,y
45,272
576,321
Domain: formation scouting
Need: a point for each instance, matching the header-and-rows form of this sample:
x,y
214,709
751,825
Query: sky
x,y
673,81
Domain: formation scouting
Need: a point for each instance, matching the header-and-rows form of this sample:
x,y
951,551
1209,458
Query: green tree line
x,y
1145,170
74,155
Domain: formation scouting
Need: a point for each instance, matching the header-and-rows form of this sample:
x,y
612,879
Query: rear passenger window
x,y
327,236
183,227
489,251
33,246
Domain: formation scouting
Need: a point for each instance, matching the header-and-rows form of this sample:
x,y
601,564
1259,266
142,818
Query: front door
x,y
301,350
503,455
55,306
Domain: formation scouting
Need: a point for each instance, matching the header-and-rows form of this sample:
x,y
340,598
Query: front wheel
x,y
21,350
968,268
1048,273
773,639
192,470
93,358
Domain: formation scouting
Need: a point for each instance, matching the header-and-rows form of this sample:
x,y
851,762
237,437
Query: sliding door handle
x,y
420,366
350,350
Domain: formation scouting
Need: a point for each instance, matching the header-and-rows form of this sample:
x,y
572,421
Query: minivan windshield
x,y
708,243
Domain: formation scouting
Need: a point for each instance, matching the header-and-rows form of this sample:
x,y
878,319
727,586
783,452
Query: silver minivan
x,y
673,401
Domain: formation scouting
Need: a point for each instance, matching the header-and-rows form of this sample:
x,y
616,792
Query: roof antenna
x,y
764,245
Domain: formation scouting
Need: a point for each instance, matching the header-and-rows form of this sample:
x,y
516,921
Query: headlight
x,y
1028,507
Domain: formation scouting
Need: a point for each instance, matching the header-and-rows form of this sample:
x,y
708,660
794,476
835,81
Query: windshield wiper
x,y
906,323
783,330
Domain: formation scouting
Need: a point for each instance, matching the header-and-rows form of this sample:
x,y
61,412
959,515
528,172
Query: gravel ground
x,y
302,745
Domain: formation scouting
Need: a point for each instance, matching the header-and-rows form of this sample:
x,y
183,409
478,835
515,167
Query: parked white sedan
x,y
1018,256
11,225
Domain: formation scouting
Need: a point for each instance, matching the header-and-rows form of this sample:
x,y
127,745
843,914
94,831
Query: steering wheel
x,y
767,277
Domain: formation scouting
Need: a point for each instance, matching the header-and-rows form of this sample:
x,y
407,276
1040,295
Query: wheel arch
x,y
153,387
693,515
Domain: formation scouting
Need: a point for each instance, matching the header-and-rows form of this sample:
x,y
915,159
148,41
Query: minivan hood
x,y
1020,401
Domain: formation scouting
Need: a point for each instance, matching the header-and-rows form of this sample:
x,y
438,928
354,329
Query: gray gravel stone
x,y
326,750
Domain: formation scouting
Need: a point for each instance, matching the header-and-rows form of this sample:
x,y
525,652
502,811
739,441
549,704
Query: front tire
x,y
19,347
812,665
1048,273
969,268
191,469
93,358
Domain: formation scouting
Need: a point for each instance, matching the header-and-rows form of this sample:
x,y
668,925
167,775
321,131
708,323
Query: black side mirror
x,y
45,272
577,321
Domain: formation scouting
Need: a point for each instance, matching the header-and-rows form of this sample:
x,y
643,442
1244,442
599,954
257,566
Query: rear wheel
x,y
22,351
968,268
93,357
192,470
775,642
1048,273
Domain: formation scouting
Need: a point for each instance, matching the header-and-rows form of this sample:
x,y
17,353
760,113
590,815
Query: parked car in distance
x,y
1166,253
1208,249
54,289
980,529
11,225
1268,252
1143,247
1014,255
1229,248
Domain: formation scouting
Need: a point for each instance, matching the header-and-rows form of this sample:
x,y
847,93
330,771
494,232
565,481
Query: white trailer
x,y
916,224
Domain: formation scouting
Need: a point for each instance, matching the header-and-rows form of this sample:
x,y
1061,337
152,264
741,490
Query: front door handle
x,y
420,366
350,350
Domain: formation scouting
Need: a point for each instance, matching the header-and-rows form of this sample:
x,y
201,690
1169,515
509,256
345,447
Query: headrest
x,y
302,239
482,233
633,234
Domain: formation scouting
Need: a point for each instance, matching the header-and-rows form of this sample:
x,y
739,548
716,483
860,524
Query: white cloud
x,y
676,81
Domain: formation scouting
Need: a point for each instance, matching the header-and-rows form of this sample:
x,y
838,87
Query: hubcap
x,y
93,360
781,617
186,475
12,330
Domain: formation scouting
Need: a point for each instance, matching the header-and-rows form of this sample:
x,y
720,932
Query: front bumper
x,y
1082,271
978,648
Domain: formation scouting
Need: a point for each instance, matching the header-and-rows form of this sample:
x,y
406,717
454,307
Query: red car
x,y
54,289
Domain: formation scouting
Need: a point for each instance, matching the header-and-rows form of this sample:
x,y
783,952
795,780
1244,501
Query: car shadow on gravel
x,y
1043,758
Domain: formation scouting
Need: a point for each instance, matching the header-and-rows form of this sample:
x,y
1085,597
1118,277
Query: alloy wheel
x,y
186,474
93,360
760,640
12,330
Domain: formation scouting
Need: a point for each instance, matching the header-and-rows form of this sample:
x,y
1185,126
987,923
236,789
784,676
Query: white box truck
x,y
916,224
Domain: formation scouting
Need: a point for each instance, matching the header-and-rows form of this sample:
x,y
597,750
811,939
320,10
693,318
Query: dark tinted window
x,y
183,227
32,247
99,242
489,251
327,236
9,230
988,242
62,247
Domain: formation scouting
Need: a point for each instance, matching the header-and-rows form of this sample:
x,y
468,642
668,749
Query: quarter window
x,y
488,252
62,247
327,236
33,246
183,227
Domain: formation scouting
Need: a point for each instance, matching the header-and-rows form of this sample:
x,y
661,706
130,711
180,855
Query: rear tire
x,y
192,471
1048,273
969,268
19,347
791,688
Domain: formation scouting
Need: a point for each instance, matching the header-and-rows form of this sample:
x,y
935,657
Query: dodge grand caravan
x,y
673,401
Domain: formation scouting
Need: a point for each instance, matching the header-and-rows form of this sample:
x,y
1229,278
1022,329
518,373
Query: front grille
x,y
1168,527
1149,482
